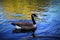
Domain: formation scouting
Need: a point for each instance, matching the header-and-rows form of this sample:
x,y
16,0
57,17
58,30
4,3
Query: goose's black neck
x,y
32,16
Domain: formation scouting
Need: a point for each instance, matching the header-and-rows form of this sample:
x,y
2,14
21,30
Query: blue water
x,y
42,30
48,27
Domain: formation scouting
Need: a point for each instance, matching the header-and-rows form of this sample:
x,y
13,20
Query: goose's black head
x,y
34,15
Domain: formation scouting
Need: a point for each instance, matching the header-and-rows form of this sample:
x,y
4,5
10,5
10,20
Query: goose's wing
x,y
22,23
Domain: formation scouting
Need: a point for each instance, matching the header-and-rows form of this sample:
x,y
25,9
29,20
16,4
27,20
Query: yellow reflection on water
x,y
23,7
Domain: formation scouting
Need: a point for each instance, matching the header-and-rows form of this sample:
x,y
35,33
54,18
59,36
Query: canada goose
x,y
25,26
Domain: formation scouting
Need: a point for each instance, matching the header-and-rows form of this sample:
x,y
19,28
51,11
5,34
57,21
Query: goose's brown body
x,y
25,27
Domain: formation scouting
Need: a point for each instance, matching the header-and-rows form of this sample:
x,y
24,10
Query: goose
x,y
25,26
